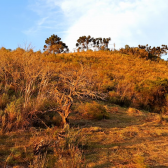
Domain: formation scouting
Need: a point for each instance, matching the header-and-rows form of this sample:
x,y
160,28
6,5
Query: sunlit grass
x,y
111,120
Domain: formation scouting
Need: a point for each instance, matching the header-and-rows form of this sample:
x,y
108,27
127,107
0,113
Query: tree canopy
x,y
101,43
84,42
145,51
155,51
55,45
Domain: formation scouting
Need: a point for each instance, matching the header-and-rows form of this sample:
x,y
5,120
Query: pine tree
x,y
55,45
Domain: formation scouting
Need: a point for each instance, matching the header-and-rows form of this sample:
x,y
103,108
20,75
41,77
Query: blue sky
x,y
131,22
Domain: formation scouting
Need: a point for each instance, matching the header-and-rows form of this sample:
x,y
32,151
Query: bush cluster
x,y
92,110
35,87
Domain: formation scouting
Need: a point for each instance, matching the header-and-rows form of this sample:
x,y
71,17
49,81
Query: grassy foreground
x,y
129,138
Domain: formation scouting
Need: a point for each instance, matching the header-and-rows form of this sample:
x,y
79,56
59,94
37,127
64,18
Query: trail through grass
x,y
125,140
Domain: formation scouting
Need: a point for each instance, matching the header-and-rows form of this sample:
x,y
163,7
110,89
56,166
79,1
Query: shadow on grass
x,y
104,165
115,120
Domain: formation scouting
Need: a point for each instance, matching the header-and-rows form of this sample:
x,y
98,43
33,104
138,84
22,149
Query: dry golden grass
x,y
130,144
35,87
122,141
134,112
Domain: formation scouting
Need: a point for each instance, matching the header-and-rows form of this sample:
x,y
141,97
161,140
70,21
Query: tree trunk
x,y
64,120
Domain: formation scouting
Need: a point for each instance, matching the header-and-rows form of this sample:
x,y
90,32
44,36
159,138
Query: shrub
x,y
4,100
12,116
57,148
113,97
93,111
45,104
152,94
134,112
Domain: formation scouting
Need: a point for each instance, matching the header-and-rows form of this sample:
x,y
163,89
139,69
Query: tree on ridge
x,y
83,42
55,45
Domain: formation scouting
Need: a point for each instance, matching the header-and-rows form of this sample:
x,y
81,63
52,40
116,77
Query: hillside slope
x,y
85,109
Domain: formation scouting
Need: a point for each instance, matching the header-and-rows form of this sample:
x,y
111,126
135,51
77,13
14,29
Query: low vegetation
x,y
84,109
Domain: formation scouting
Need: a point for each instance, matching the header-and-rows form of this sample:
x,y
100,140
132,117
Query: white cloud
x,y
126,22
130,22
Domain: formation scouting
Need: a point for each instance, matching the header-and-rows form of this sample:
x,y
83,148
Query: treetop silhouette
x,y
55,45
84,42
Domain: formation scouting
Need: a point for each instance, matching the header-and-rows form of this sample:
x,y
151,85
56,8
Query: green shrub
x,y
113,97
4,100
15,106
93,111
152,95
11,117
45,104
